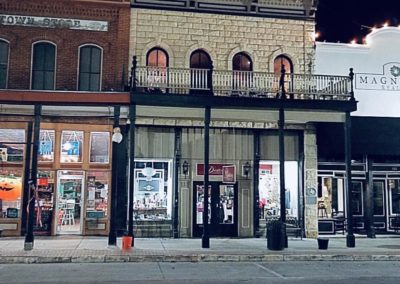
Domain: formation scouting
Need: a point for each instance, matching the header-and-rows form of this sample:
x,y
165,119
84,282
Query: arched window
x,y
242,67
282,60
157,57
43,66
90,61
199,59
242,62
4,47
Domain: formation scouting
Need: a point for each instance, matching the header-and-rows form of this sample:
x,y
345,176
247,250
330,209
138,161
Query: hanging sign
x,y
229,174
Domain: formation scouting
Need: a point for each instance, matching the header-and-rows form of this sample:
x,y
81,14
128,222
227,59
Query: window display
x,y
97,194
10,193
46,146
153,190
269,189
71,146
99,147
12,145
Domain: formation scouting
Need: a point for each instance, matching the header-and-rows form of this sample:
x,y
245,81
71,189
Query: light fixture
x,y
246,169
185,168
117,136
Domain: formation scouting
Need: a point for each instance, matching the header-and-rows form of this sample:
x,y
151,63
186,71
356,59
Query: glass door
x,y
394,205
222,209
69,202
379,204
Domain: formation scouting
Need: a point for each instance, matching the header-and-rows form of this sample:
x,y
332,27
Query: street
x,y
206,272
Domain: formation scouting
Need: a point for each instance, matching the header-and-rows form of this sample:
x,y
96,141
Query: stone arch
x,y
245,50
206,49
142,58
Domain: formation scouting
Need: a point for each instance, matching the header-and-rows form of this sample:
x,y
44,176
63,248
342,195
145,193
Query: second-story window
x,y
242,75
157,57
43,66
200,59
282,60
89,68
4,47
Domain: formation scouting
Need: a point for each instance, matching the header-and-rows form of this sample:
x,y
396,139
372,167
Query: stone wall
x,y
311,182
222,36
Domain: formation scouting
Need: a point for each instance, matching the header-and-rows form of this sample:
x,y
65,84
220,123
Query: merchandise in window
x,y
99,147
71,146
153,191
10,193
97,194
12,145
44,204
46,146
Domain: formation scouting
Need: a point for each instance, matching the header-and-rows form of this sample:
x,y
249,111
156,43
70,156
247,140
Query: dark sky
x,y
344,20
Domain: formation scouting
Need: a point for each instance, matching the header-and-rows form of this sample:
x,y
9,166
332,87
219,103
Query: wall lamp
x,y
185,168
246,169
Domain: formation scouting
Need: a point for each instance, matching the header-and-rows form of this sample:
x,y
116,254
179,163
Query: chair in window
x,y
322,213
340,221
69,211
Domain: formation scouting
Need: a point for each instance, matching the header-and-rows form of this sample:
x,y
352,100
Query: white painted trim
x,y
8,61
101,64
55,62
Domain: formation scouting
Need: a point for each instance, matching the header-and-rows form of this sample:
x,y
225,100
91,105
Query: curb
x,y
192,258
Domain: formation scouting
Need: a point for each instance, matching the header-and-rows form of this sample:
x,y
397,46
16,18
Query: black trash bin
x,y
276,235
323,243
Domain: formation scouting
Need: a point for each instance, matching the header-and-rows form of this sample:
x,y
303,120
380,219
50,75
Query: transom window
x,y
43,66
89,68
4,47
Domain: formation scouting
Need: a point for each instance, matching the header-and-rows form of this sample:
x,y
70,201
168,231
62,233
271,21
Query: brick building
x,y
59,58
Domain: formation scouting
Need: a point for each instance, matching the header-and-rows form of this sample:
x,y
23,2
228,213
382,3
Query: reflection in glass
x,y
394,187
71,146
10,152
99,147
378,197
357,198
226,204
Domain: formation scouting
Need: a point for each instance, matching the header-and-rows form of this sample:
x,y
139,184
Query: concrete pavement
x,y
78,249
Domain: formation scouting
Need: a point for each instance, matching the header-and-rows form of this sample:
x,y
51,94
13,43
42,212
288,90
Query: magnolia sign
x,y
389,80
47,22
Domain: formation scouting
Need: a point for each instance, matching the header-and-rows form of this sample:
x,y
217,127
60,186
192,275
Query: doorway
x,y
69,202
222,208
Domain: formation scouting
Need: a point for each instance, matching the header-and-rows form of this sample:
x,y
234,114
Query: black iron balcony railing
x,y
243,83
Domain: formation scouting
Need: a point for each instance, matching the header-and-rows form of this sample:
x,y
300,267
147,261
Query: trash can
x,y
276,235
323,243
126,243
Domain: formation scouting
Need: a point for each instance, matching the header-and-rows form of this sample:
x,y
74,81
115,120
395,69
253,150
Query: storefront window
x,y
356,198
46,146
97,194
71,146
99,147
269,189
378,197
12,145
153,190
10,193
44,203
394,187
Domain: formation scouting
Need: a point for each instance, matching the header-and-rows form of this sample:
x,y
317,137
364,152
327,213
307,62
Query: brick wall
x,y
222,36
114,42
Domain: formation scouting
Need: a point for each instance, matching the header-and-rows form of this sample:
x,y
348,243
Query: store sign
x,y
213,170
389,80
47,22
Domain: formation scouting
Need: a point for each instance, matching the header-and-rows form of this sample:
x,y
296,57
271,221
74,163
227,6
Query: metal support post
x,y
350,239
29,239
205,240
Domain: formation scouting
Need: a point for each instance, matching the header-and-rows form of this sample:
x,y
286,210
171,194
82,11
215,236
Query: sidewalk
x,y
76,249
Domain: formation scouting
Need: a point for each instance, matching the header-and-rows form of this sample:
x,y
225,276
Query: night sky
x,y
345,20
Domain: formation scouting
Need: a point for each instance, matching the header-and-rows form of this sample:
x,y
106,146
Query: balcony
x,y
244,84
